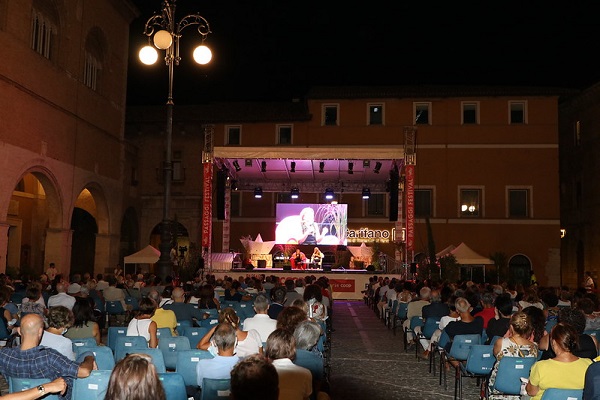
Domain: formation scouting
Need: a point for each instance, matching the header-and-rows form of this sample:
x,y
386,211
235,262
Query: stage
x,y
347,284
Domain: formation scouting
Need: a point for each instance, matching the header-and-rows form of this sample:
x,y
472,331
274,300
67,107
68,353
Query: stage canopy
x,y
464,255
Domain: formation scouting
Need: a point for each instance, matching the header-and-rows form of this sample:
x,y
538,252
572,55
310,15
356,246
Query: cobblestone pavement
x,y
368,362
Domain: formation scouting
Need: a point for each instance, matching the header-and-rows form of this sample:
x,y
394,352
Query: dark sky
x,y
275,50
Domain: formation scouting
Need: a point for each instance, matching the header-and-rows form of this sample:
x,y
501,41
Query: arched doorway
x,y
180,241
518,269
129,234
83,248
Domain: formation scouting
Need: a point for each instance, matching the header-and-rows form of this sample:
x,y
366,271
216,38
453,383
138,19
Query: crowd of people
x,y
555,325
286,334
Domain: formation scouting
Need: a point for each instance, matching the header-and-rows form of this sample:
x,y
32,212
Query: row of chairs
x,y
95,386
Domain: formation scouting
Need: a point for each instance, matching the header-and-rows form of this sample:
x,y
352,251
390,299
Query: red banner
x,y
342,285
207,204
409,172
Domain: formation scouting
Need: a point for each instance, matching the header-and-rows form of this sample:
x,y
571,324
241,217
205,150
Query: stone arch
x,y
519,266
130,234
180,238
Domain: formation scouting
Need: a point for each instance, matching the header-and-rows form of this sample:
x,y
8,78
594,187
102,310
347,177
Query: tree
x,y
500,261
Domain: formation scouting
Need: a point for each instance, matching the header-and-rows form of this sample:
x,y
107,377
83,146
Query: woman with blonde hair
x,y
248,342
135,378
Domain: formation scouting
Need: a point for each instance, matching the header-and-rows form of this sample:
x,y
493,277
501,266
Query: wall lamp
x,y
234,184
295,193
263,166
236,165
321,167
329,193
258,192
377,167
293,166
350,168
366,193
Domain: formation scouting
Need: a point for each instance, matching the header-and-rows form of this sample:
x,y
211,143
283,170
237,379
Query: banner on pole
x,y
410,207
207,204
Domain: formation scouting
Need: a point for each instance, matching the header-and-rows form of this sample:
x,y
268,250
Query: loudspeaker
x,y
287,267
413,268
261,263
394,180
221,184
371,268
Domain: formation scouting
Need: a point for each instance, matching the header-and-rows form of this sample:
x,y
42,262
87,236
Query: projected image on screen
x,y
312,224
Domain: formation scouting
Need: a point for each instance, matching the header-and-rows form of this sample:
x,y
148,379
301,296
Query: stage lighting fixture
x,y
295,193
329,194
236,165
321,167
366,193
377,167
350,168
263,166
234,184
248,162
258,193
293,166
366,163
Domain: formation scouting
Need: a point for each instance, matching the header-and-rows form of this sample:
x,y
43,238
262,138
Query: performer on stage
x,y
298,260
316,260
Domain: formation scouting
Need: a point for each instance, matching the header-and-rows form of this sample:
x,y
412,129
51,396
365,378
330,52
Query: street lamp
x,y
164,33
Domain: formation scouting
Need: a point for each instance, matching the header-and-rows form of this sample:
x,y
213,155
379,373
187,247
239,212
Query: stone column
x,y
58,249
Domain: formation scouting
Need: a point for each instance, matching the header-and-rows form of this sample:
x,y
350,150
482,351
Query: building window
x,y
43,29
233,135
375,114
517,112
470,203
470,113
330,114
577,133
284,134
94,54
422,113
91,71
423,203
518,203
376,205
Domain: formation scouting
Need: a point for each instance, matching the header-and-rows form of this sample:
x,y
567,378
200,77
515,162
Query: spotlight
x,y
234,184
377,167
263,166
366,193
295,193
329,193
366,163
236,165
321,167
350,168
248,162
293,166
258,193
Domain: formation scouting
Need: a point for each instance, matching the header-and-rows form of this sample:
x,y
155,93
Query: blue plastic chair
x,y
510,372
93,387
480,362
133,302
414,322
174,385
459,351
113,333
157,358
163,332
103,354
427,329
215,389
114,308
186,364
16,385
128,344
562,394
169,346
83,342
183,324
194,334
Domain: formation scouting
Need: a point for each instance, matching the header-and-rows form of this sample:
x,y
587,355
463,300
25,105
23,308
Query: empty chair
x,y
186,364
113,333
157,358
215,389
562,394
170,345
126,344
83,342
194,334
93,387
103,354
16,385
174,386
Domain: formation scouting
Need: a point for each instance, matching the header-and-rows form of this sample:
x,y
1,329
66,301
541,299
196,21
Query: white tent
x,y
464,255
148,255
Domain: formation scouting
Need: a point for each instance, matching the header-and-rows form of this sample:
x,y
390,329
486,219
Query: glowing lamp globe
x,y
148,55
202,55
163,39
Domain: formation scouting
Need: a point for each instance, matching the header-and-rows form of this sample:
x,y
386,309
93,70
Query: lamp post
x,y
164,33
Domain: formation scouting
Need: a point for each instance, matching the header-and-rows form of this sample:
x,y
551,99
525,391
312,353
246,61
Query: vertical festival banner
x,y
207,204
410,207
227,222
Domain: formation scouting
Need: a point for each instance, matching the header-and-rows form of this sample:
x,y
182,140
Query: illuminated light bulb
x,y
148,55
163,39
202,55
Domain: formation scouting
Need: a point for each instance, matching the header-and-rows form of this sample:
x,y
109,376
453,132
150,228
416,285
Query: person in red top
x,y
489,311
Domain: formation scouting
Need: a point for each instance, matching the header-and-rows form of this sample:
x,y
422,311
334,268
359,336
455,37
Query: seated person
x,y
219,367
298,260
316,259
254,378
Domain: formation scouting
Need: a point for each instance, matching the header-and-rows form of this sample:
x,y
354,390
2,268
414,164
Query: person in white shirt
x,y
261,321
61,298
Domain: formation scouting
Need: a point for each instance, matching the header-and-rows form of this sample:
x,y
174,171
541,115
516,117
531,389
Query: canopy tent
x,y
446,251
148,255
466,256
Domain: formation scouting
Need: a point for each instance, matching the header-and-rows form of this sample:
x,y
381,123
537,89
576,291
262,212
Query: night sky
x,y
276,50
